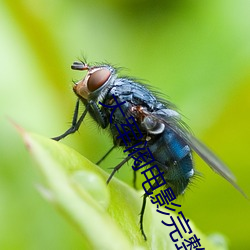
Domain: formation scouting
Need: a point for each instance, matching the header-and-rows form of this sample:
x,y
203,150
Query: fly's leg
x,y
134,180
75,124
105,155
99,116
142,214
116,168
149,191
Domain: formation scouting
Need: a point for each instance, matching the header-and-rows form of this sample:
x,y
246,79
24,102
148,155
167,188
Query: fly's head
x,y
95,80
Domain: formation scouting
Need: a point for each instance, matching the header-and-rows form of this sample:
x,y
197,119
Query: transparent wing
x,y
175,124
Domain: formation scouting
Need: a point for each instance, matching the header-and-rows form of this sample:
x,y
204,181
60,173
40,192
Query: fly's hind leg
x,y
142,214
134,179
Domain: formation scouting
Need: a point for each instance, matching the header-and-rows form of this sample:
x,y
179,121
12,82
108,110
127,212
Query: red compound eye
x,y
97,79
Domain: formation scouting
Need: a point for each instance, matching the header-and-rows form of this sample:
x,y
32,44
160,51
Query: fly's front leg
x,y
100,117
75,123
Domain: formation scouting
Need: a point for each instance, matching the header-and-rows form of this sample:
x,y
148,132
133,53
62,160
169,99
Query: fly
x,y
160,124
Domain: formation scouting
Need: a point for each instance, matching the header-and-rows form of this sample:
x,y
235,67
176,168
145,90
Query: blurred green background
x,y
195,52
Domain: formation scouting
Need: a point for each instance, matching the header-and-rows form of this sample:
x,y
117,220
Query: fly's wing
x,y
174,123
212,160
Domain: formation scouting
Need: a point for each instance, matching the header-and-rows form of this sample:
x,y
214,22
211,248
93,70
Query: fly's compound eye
x,y
97,79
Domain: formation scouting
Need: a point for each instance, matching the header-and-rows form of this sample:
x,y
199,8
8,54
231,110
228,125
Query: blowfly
x,y
121,102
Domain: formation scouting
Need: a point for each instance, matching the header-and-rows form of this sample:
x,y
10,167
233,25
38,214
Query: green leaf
x,y
106,215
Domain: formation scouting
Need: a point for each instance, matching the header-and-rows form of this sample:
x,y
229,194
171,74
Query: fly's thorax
x,y
93,85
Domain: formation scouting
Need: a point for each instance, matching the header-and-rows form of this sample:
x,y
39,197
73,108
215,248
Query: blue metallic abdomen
x,y
171,153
